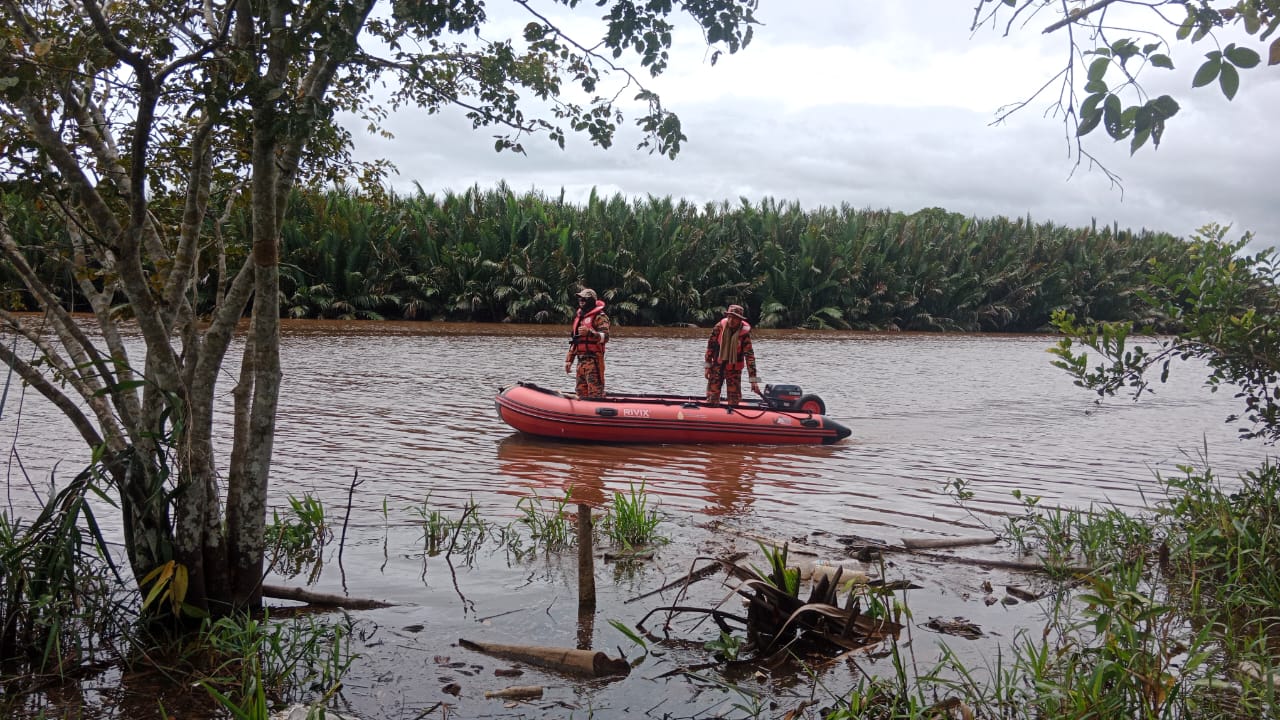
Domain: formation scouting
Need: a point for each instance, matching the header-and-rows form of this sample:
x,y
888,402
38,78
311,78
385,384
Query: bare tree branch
x,y
1076,15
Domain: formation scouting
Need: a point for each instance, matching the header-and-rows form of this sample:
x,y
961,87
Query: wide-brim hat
x,y
736,311
587,293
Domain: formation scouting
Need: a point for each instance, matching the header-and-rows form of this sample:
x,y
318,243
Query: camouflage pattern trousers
x,y
732,381
590,376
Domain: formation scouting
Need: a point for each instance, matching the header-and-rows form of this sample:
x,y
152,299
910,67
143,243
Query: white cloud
x,y
890,105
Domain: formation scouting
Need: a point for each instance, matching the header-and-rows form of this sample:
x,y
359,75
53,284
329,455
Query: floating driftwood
x,y
957,626
850,576
937,543
302,712
580,662
628,555
517,692
1022,593
281,592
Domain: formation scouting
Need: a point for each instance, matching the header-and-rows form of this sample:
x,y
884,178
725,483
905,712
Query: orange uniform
x,y
587,341
728,351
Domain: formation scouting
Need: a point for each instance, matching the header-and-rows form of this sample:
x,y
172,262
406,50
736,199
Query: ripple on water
x,y
410,408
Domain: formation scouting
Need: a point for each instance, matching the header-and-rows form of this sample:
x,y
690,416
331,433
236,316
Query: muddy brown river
x,y
409,406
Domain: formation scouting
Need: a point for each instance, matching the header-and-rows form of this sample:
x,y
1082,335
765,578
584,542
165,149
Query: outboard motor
x,y
783,397
791,397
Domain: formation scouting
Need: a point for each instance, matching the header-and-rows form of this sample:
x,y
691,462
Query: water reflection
x,y
553,469
730,474
715,480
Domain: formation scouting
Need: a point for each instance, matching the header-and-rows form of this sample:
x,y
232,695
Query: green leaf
x,y
1252,23
1166,106
1207,73
1098,69
1090,104
1112,118
191,611
1229,81
1157,132
1242,57
1139,139
1124,49
1095,86
534,31
1143,118
631,634
1088,122
1184,30
1161,60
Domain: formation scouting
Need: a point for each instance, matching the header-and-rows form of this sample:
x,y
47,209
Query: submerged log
x,y
935,543
517,692
281,592
581,662
1022,593
1039,566
628,555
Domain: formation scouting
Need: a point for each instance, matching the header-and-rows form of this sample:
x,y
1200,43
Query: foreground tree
x,y
1227,311
1112,45
146,127
1225,305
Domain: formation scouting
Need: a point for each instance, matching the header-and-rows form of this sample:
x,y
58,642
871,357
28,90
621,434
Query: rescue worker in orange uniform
x,y
728,351
586,343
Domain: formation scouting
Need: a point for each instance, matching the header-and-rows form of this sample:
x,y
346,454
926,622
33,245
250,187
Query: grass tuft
x,y
630,522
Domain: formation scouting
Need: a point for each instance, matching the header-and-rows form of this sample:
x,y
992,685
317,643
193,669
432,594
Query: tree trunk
x,y
250,514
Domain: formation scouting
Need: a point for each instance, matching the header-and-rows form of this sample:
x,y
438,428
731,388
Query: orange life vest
x,y
587,343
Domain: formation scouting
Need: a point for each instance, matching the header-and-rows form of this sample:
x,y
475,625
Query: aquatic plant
x,y
443,534
630,522
549,527
435,525
298,539
61,601
259,660
1172,617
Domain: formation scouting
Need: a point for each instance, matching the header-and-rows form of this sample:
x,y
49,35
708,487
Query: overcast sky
x,y
889,104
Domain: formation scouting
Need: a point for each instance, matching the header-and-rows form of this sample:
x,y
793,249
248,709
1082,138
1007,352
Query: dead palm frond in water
x,y
776,614
779,620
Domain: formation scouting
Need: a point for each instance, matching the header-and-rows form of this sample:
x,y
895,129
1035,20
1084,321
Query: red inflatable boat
x,y
783,417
